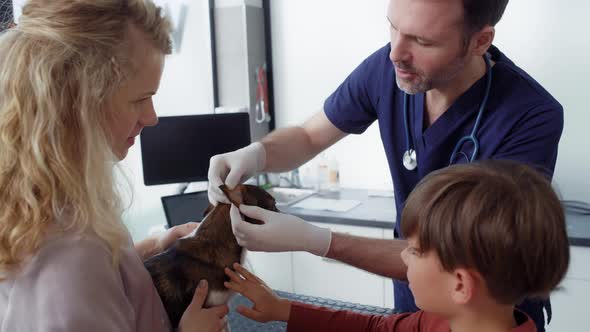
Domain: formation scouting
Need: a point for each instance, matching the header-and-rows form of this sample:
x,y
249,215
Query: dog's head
x,y
249,195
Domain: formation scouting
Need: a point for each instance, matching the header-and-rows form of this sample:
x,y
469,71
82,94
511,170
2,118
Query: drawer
x,y
324,277
569,307
579,263
274,268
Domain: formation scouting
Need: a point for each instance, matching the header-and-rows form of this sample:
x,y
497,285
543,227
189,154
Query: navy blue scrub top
x,y
521,122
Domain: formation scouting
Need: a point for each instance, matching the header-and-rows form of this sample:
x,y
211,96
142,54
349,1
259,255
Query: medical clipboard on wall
x,y
178,149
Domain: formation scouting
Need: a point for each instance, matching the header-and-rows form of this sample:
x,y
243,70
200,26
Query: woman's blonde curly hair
x,y
58,68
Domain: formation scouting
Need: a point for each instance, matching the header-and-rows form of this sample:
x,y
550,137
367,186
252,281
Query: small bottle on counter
x,y
328,174
322,174
333,175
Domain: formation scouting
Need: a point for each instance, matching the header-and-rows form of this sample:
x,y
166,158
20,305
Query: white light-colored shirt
x,y
72,285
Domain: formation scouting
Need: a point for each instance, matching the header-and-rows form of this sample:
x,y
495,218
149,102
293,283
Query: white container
x,y
322,175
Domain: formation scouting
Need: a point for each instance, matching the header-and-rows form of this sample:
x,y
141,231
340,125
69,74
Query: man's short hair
x,y
500,218
479,13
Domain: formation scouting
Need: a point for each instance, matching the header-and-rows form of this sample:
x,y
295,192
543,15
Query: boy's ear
x,y
464,287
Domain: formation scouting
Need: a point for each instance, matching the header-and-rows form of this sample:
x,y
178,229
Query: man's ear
x,y
464,286
481,40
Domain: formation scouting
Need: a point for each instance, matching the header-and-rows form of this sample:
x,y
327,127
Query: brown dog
x,y
204,254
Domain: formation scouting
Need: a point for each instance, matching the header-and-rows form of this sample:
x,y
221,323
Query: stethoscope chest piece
x,y
409,160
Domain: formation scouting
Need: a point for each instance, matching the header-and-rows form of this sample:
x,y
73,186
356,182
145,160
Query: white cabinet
x,y
328,278
570,309
388,283
570,303
306,274
276,269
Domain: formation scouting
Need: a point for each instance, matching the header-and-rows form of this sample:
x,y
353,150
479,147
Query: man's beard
x,y
422,83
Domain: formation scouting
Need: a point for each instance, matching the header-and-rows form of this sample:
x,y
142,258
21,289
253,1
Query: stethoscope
x,y
261,114
410,159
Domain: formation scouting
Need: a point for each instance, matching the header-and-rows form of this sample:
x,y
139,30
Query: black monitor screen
x,y
178,149
180,209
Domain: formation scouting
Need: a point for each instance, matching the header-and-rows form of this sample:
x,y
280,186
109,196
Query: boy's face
x,y
430,284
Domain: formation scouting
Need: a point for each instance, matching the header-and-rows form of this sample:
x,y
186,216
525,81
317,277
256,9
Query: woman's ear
x,y
464,286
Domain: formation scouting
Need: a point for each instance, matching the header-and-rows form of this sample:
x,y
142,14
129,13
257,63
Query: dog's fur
x,y
204,254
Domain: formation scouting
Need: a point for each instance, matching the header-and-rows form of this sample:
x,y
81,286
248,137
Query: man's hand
x,y
157,243
280,232
198,319
233,168
268,306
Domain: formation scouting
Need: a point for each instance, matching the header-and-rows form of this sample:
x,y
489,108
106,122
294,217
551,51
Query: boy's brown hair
x,y
500,218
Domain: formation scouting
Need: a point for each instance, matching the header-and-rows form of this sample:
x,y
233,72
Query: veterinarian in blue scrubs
x,y
434,106
520,122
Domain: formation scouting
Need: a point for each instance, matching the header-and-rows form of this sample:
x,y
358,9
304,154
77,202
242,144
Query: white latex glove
x,y
233,168
280,232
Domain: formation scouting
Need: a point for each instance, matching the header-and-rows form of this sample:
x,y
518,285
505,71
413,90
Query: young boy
x,y
481,238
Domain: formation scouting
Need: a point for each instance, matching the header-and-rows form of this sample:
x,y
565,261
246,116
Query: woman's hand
x,y
157,243
198,319
267,305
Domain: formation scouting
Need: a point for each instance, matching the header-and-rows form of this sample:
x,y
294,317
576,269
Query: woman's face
x,y
131,108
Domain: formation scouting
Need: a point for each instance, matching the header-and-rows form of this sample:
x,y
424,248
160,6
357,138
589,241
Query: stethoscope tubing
x,y
470,138
406,121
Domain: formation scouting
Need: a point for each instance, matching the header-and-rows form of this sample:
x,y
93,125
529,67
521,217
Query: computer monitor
x,y
180,209
178,149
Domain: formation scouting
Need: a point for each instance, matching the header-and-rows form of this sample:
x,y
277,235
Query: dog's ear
x,y
236,196
250,195
257,196
208,209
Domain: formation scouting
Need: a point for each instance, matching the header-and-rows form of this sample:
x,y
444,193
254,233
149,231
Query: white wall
x,y
316,44
548,39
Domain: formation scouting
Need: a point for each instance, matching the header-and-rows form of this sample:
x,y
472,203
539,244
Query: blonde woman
x,y
76,86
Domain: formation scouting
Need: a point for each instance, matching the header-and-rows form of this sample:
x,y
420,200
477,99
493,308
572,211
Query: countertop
x,y
377,209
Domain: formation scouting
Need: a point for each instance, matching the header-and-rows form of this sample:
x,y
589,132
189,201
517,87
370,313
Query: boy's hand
x,y
267,305
197,318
